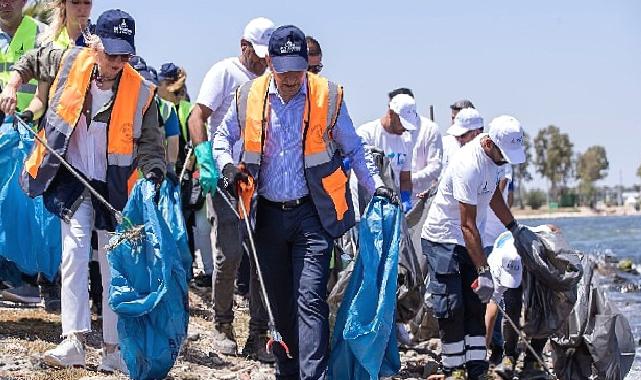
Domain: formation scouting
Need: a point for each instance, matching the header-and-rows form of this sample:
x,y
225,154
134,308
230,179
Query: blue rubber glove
x,y
406,200
208,171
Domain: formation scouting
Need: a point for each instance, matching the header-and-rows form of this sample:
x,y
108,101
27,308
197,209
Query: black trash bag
x,y
597,340
550,279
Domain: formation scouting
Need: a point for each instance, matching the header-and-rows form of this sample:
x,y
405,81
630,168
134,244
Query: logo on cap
x,y
123,28
290,47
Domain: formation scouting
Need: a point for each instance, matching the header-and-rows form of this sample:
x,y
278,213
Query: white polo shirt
x,y
218,90
470,178
398,148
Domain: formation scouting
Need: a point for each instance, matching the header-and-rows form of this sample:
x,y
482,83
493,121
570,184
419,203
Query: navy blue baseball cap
x,y
150,74
116,30
288,49
168,71
137,62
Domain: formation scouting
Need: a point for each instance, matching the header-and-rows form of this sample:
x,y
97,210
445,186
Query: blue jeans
x,y
294,254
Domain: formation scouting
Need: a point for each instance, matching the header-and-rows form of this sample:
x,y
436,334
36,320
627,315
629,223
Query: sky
x,y
573,63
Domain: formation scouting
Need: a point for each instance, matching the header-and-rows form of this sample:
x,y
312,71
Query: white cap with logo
x,y
467,119
506,132
405,107
258,31
505,262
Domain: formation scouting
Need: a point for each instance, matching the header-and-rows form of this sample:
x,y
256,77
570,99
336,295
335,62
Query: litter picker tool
x,y
132,233
524,339
275,336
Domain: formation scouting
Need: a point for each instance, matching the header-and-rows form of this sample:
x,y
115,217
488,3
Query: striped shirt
x,y
282,175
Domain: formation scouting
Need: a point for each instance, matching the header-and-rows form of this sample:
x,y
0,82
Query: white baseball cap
x,y
467,119
258,31
505,262
405,107
506,132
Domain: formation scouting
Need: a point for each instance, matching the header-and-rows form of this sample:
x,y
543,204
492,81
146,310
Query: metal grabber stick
x,y
275,336
524,339
132,232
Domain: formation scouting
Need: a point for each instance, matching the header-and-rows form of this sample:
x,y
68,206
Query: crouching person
x,y
102,119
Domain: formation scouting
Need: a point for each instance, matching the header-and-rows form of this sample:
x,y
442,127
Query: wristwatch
x,y
483,269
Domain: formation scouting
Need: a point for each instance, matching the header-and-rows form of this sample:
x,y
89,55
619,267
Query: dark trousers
x,y
228,255
294,253
459,311
513,299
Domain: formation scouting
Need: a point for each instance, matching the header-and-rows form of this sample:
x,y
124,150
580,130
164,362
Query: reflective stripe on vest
x,y
66,102
325,177
23,41
324,98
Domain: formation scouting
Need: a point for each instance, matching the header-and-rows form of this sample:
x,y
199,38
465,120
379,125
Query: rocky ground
x,y
25,333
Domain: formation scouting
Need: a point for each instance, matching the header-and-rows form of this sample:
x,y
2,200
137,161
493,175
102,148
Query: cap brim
x,y
457,130
115,46
261,50
514,156
408,124
287,63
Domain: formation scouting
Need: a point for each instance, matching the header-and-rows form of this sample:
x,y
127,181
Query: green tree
x,y
554,152
522,172
639,171
591,166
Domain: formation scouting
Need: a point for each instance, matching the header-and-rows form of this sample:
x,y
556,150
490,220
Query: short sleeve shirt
x,y
471,177
398,148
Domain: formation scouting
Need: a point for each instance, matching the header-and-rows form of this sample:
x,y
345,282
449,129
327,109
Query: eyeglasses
x,y
315,68
123,58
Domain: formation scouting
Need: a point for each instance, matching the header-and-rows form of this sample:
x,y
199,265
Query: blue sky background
x,y
573,63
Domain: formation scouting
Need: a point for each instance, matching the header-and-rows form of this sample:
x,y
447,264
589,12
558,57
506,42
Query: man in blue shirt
x,y
291,169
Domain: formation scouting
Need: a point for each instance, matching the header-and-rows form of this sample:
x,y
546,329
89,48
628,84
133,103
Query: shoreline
x,y
581,212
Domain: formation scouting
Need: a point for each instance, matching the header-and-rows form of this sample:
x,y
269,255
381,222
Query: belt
x,y
287,205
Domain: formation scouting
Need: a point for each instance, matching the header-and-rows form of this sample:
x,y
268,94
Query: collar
x,y
274,91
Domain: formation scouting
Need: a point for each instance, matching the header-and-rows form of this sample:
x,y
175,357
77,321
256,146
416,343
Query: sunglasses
x,y
315,68
123,58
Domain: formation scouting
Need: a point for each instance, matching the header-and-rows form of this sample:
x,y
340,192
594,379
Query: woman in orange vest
x,y
102,119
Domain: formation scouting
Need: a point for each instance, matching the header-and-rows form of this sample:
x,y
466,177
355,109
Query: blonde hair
x,y
57,20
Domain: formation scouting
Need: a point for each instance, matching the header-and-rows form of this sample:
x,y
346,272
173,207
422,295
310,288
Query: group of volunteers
x,y
269,139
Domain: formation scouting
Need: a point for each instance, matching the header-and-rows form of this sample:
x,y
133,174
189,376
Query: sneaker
x,y
241,302
532,370
112,362
69,353
22,294
255,348
202,281
224,339
505,370
51,297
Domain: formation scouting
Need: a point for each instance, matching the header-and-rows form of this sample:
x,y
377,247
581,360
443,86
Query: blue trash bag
x,y
364,341
148,290
29,234
171,208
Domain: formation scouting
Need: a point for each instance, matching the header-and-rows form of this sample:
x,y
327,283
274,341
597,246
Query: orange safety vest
x,y
326,178
66,102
